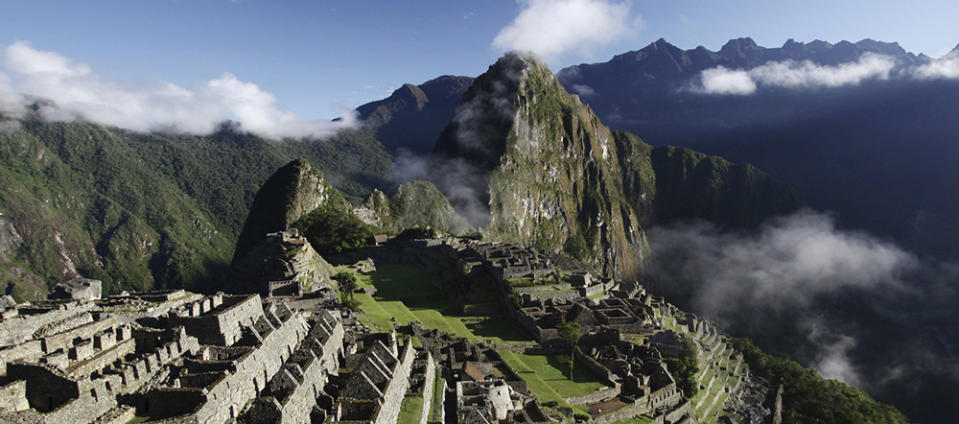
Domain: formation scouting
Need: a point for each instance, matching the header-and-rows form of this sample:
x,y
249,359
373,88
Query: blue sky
x,y
317,56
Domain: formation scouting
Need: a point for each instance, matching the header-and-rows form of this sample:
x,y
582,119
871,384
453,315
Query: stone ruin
x,y
179,357
282,356
282,264
505,261
79,289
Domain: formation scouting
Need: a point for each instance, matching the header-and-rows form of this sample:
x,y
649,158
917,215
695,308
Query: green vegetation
x,y
436,406
141,211
406,293
416,203
808,398
346,285
684,368
548,377
576,247
411,411
417,233
569,332
332,229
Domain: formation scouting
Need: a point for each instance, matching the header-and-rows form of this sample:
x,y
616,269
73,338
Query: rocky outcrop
x,y
550,167
290,193
417,203
547,172
280,256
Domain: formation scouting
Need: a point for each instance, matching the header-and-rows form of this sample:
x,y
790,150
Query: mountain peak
x,y
742,43
291,192
738,48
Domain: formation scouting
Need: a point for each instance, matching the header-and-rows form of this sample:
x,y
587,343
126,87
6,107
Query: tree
x,y
569,332
684,368
331,229
576,247
347,284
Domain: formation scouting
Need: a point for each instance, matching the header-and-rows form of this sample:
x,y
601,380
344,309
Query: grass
x,y
548,377
411,411
438,397
406,293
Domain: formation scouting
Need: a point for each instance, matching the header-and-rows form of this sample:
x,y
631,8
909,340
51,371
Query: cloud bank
x,y
69,90
792,75
946,67
791,260
777,277
551,28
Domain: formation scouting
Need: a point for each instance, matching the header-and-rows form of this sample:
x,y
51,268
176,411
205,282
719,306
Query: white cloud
x,y
793,75
550,28
76,92
782,271
946,67
790,261
720,80
583,90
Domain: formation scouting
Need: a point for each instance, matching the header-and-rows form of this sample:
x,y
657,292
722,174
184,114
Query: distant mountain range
x,y
865,130
513,150
881,153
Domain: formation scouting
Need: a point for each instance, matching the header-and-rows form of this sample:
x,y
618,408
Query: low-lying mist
x,y
857,308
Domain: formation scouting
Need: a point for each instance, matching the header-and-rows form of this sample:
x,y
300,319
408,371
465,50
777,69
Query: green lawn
x,y
548,377
497,330
411,411
406,293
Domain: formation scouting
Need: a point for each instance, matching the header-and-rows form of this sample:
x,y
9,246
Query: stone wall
x,y
429,387
57,398
103,358
398,385
13,396
225,397
24,327
64,340
296,407
221,324
27,350
678,413
603,394
543,288
628,411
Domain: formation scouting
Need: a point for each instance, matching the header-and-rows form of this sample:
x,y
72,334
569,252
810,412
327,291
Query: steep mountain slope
x,y
165,210
289,194
880,155
551,172
894,134
143,210
416,203
414,115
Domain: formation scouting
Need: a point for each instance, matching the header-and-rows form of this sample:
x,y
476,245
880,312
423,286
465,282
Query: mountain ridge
x,y
516,122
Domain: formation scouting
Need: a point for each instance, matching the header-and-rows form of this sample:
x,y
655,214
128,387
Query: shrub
x,y
333,230
576,247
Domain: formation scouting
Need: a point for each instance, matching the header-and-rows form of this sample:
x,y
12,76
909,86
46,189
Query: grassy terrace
x,y
548,377
407,293
411,411
436,407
